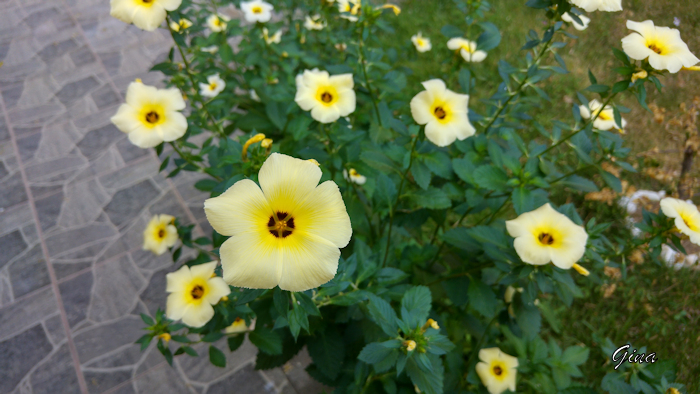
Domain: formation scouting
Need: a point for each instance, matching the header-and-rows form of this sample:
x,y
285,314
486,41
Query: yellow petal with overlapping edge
x,y
686,215
193,291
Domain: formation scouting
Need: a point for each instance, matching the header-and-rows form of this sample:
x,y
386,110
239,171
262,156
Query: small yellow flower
x,y
274,39
193,292
661,46
150,115
410,345
432,324
349,9
606,116
257,11
314,22
144,14
467,49
256,138
497,370
672,390
567,18
545,235
443,112
421,43
213,87
686,215
393,7
165,336
238,326
286,232
599,5
642,74
354,177
182,24
581,270
160,234
217,23
327,97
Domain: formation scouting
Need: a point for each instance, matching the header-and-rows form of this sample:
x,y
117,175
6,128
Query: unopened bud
x,y
266,143
639,75
224,298
138,80
410,345
256,138
285,54
581,270
165,336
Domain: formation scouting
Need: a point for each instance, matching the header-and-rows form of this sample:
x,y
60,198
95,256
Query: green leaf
x,y
523,200
427,382
385,190
206,185
580,183
212,337
277,112
415,306
611,180
490,38
482,298
298,319
575,355
327,350
266,340
464,170
383,314
147,319
598,88
217,357
432,199
190,351
299,127
235,342
375,352
490,177
439,163
421,174
529,320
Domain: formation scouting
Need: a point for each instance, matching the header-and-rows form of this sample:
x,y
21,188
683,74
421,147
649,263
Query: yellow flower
x,y
497,370
432,324
581,270
238,326
599,5
686,215
421,43
443,112
256,138
393,7
545,235
150,115
584,19
213,87
467,49
351,7
217,23
182,24
410,345
327,97
144,14
274,39
165,336
160,234
287,234
257,11
661,46
606,116
193,291
354,177
314,22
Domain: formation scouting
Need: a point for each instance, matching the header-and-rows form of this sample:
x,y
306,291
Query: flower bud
x,y
639,75
266,143
165,336
410,345
672,390
581,270
256,138
224,298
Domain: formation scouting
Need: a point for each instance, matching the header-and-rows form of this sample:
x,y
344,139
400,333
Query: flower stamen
x,y
497,370
654,48
545,239
152,117
281,225
197,292
440,113
326,97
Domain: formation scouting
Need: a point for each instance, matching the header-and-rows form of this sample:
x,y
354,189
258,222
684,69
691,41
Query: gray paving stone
x,y
146,260
96,141
3,171
4,132
5,291
56,49
154,295
75,294
112,61
55,330
63,269
48,208
124,357
169,204
105,97
246,380
81,56
86,253
129,151
116,289
29,272
43,191
130,175
19,354
12,191
30,234
71,92
27,146
56,374
35,115
99,340
161,380
39,17
11,246
83,204
78,237
21,131
12,94
15,217
101,381
131,238
127,203
295,370
55,170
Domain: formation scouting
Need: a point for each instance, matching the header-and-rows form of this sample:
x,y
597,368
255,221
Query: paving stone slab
x,y
75,294
12,191
11,246
29,272
19,354
116,289
56,374
245,380
101,339
127,203
101,381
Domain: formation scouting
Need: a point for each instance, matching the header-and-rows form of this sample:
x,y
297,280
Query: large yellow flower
x,y
150,115
598,5
443,112
193,291
545,235
606,116
497,370
144,14
287,234
686,215
160,234
327,97
662,46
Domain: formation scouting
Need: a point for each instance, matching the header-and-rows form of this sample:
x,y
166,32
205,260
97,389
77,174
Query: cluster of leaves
x,y
429,238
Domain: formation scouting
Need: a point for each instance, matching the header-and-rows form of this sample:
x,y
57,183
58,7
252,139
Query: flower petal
x,y
324,215
217,289
198,315
309,263
287,181
251,261
241,208
203,270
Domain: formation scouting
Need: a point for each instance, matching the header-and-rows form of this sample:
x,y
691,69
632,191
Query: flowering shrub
x,y
401,236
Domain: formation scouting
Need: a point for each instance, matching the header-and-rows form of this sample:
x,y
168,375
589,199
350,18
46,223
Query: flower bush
x,y
403,237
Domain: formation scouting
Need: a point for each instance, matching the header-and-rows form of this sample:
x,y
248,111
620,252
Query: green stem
x,y
362,60
481,342
197,96
392,209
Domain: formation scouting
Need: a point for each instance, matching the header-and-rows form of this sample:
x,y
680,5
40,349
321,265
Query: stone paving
x,y
75,196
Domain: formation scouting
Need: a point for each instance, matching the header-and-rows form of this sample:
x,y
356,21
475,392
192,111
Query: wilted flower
x,y
193,291
354,177
287,234
327,97
181,24
150,115
578,26
274,39
606,116
257,11
146,15
160,234
314,22
598,5
467,49
661,46
213,87
421,43
497,370
545,235
217,23
686,215
443,112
